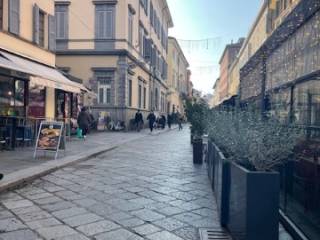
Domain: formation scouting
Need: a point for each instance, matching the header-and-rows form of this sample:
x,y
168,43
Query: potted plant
x,y
247,148
196,116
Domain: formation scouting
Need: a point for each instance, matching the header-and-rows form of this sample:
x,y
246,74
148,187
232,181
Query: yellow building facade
x,y
28,77
119,49
178,77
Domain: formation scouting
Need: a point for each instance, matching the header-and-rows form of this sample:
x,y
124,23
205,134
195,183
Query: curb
x,y
25,176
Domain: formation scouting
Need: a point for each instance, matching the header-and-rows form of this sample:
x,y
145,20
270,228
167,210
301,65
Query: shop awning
x,y
41,74
5,63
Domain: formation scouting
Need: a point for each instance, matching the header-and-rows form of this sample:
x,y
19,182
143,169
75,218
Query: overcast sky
x,y
220,21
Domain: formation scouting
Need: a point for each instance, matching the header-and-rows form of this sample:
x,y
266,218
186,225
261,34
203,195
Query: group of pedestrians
x,y
154,121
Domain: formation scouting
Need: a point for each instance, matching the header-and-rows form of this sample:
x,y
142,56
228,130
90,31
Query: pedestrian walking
x,y
84,121
152,118
169,120
180,119
138,120
163,121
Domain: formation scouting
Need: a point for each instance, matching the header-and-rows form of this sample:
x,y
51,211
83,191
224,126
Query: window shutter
x,y
109,24
14,16
151,13
98,24
52,33
153,63
61,19
147,48
36,11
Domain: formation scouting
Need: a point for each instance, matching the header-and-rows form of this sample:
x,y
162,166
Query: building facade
x,y
256,37
282,80
29,82
119,49
178,77
228,57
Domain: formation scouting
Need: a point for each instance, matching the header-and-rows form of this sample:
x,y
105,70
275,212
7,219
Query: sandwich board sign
x,y
49,138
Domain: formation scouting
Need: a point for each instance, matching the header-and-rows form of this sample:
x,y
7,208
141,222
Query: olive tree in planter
x,y
196,114
246,188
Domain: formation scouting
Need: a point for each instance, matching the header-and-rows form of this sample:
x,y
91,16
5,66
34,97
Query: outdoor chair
x,y
3,141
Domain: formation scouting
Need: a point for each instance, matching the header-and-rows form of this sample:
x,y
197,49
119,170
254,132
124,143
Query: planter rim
x,y
253,172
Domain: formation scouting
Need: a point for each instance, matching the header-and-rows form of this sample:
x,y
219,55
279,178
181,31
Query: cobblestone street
x,y
145,189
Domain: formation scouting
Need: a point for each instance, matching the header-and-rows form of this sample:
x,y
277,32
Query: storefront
x,y
30,93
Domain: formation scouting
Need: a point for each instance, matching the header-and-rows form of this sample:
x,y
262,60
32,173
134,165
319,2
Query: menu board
x,y
49,137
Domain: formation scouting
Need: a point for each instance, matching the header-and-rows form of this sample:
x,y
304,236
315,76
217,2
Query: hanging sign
x,y
49,137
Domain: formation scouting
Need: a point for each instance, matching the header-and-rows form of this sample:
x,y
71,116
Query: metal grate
x,y
213,234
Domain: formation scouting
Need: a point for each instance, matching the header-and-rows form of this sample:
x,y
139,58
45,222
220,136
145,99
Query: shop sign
x,y
50,138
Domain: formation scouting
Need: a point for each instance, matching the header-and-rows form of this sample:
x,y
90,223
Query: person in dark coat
x,y
1,176
163,121
84,121
152,118
138,120
169,120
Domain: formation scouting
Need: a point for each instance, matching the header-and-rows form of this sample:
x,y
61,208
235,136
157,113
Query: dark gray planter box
x,y
221,184
197,151
253,204
210,163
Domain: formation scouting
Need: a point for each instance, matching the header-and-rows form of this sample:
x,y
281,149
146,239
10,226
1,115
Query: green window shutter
x,y
36,12
52,32
14,16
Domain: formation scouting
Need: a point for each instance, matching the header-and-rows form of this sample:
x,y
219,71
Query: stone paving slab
x,y
145,189
20,167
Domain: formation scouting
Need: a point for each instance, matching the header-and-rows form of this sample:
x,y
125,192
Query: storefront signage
x,y
49,138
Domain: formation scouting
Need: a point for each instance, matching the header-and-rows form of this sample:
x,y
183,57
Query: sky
x,y
204,27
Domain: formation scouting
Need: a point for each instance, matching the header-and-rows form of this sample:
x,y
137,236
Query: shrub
x,y
256,143
196,113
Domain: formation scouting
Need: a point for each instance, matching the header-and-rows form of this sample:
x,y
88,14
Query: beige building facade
x,y
272,13
119,49
178,77
29,80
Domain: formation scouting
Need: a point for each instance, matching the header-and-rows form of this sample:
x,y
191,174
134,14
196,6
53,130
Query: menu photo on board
x,y
49,136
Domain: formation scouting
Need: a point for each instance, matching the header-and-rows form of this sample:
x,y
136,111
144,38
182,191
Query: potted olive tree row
x,y
244,149
196,114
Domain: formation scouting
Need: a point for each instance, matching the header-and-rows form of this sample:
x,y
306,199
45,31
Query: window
x,y
105,21
104,93
139,96
144,97
104,79
36,101
12,97
144,4
130,27
130,93
41,29
61,13
14,16
1,14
